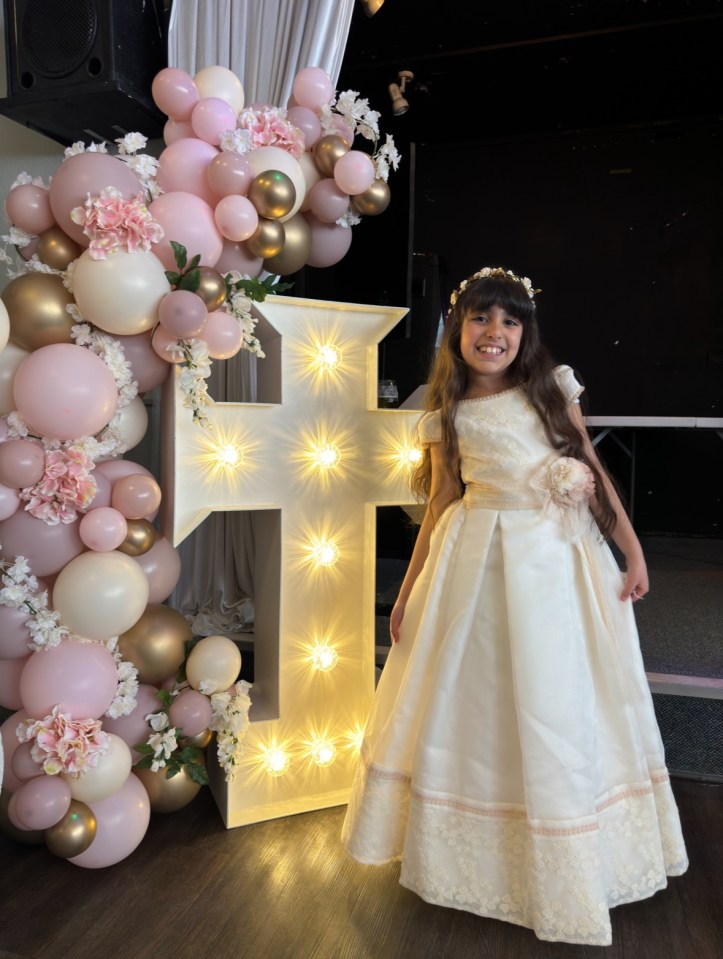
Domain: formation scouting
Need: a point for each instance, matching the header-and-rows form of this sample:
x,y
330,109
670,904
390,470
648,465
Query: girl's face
x,y
489,343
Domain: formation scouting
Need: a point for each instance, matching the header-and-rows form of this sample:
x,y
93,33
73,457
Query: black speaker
x,y
82,69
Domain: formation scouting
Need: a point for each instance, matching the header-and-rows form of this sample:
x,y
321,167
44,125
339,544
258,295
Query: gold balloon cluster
x,y
155,644
140,537
74,833
327,151
168,794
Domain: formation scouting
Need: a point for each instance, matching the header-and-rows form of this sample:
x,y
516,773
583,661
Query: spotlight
x,y
396,92
371,6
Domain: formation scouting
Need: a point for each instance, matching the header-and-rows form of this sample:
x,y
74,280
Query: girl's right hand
x,y
395,620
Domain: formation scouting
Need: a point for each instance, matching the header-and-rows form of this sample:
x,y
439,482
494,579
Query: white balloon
x,y
215,660
10,359
4,326
221,83
101,781
132,422
274,158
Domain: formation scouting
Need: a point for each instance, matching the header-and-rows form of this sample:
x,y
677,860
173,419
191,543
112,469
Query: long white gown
x,y
512,760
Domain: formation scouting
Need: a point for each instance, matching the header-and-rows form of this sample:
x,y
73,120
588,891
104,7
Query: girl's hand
x,y
636,581
395,620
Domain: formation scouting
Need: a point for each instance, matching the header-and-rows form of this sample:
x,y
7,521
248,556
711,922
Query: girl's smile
x,y
489,343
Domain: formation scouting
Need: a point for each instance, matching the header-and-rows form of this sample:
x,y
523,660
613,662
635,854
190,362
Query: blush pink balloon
x,y
29,249
46,548
162,566
182,168
175,93
354,172
188,220
115,469
122,821
176,130
81,677
102,492
230,173
136,496
42,802
133,728
313,88
307,121
160,343
24,766
148,370
223,335
182,314
14,633
64,391
236,218
28,207
9,501
191,711
211,117
86,173
329,242
327,202
103,529
22,463
9,742
236,256
10,672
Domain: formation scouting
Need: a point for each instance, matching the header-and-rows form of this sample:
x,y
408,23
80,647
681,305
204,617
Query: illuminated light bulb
x,y
229,455
323,752
325,553
326,457
276,761
328,357
410,455
356,738
324,657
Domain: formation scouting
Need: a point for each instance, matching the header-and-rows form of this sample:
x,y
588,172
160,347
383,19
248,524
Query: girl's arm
x,y
636,573
442,492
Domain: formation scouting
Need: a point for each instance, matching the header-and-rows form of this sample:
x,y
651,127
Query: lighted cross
x,y
313,462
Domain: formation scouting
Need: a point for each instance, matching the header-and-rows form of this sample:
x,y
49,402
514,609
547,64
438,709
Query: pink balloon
x,y
230,173
103,529
182,168
133,728
160,341
191,711
162,565
29,249
14,634
9,742
28,207
223,335
81,677
46,548
22,463
236,217
10,672
354,172
148,370
329,242
24,766
308,122
136,496
313,88
64,391
236,256
42,802
102,494
326,201
175,93
9,501
212,117
182,314
86,173
176,130
188,220
115,469
122,820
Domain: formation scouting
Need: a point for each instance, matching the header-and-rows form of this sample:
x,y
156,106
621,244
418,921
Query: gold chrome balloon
x,y
74,833
200,740
212,288
155,644
267,240
56,249
36,307
140,537
297,247
327,151
373,200
167,795
272,193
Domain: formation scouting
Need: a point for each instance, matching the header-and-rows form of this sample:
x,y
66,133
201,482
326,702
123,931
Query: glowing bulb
x,y
229,455
324,657
328,357
410,455
323,752
325,553
326,457
276,761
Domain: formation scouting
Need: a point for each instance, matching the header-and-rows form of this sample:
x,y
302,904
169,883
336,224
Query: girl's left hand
x,y
636,581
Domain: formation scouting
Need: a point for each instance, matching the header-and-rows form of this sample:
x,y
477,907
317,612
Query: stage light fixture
x,y
396,92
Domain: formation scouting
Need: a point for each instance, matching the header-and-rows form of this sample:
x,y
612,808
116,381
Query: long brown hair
x,y
532,367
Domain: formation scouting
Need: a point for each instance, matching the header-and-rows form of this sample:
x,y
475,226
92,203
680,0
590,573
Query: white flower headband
x,y
493,271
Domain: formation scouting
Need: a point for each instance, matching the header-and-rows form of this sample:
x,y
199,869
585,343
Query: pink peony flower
x,y
268,128
63,744
65,487
115,223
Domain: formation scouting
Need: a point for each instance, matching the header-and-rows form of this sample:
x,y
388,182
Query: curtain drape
x,y
265,43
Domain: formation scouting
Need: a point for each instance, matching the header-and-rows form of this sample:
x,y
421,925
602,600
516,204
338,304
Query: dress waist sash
x,y
477,495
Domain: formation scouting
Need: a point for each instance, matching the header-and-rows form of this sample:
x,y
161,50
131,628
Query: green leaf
x,y
180,254
194,262
191,280
172,278
197,773
171,771
165,697
144,763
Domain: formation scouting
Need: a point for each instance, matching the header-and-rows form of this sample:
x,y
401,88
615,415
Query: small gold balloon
x,y
297,247
30,837
155,644
168,795
273,194
267,240
140,537
36,307
212,288
327,151
74,833
56,249
372,201
200,740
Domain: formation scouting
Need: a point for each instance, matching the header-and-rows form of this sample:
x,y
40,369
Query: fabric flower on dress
x,y
566,485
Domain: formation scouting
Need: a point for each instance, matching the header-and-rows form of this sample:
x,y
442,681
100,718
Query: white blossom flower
x,y
236,141
131,143
158,721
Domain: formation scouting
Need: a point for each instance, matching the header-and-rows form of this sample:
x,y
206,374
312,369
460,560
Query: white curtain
x,y
265,43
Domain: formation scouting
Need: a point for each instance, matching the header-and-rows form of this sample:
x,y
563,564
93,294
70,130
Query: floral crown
x,y
493,271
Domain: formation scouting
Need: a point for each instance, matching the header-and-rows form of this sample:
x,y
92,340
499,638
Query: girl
x,y
512,759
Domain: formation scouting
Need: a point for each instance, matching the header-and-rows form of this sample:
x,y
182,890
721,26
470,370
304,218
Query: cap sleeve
x,y
568,384
430,428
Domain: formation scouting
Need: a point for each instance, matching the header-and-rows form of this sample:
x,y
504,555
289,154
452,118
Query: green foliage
x,y
188,276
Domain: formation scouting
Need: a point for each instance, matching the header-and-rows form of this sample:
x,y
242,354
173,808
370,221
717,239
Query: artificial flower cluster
x,y
62,744
268,127
164,748
351,112
493,271
230,722
20,591
112,222
566,485
65,487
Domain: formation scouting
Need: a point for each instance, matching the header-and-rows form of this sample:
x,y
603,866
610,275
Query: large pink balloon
x,y
133,728
354,172
28,207
9,501
236,256
174,93
230,173
148,370
9,742
136,496
223,335
42,802
64,391
236,217
160,343
46,548
329,242
87,173
102,493
307,121
187,220
176,130
327,202
211,117
24,766
191,711
182,314
14,634
11,671
103,529
182,167
80,677
22,463
313,88
114,469
122,820
162,565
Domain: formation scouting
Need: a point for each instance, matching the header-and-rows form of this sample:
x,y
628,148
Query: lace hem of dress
x,y
560,882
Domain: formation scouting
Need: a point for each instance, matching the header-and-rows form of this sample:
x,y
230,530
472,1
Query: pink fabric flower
x,y
63,744
269,128
566,485
65,487
115,223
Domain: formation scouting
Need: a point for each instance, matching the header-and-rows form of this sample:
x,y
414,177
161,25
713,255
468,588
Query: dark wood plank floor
x,y
285,890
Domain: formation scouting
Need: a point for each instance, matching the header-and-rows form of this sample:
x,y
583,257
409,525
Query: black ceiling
x,y
486,69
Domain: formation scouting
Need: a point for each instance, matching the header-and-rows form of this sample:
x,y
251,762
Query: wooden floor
x,y
285,890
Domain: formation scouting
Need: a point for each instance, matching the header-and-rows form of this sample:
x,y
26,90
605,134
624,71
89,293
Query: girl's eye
x,y
511,321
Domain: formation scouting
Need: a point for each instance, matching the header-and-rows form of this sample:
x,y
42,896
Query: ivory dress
x,y
512,759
